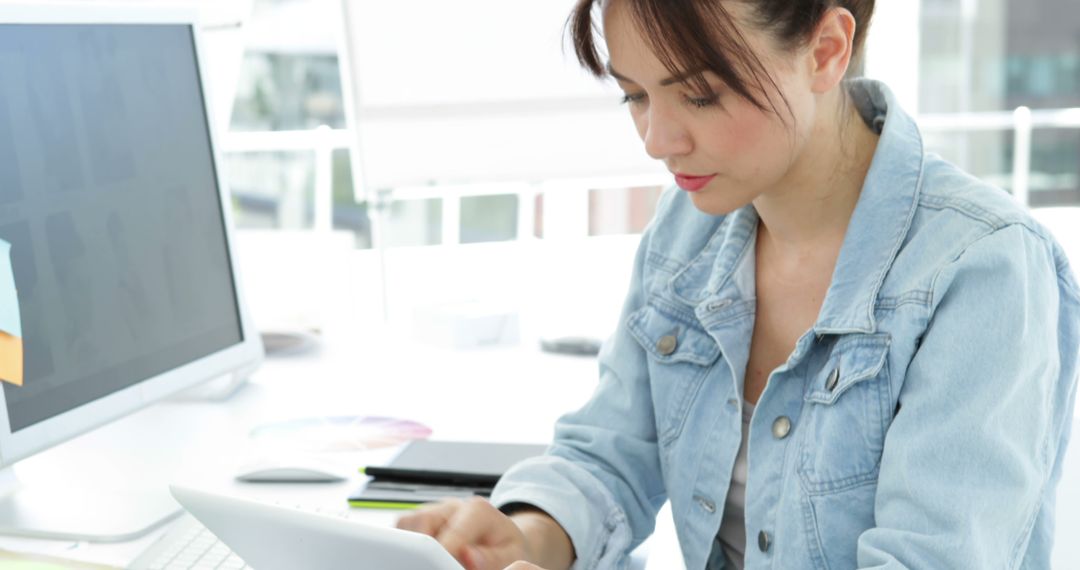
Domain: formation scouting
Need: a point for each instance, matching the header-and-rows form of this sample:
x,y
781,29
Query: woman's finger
x,y
431,518
475,521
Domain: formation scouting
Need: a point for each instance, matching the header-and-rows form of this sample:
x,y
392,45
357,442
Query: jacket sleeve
x,y
985,409
601,478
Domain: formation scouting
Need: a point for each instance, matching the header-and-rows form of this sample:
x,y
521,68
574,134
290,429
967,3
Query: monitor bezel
x,y
237,359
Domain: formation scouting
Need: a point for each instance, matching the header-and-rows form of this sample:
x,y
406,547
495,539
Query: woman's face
x,y
722,149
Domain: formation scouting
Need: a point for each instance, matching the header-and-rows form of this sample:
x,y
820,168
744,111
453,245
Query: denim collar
x,y
882,218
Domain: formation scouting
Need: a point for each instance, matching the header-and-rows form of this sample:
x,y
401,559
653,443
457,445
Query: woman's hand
x,y
474,532
522,565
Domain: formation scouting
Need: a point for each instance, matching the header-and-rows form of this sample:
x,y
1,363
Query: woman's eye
x,y
632,98
703,102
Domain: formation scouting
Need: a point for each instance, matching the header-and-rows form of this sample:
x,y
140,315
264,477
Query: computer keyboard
x,y
188,545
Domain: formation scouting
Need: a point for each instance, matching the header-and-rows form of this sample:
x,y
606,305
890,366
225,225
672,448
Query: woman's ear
x,y
831,48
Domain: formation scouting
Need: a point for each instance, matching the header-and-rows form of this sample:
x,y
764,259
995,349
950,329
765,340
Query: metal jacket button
x,y
834,379
763,541
666,345
781,427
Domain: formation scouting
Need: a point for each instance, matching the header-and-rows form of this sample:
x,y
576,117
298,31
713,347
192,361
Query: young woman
x,y
837,351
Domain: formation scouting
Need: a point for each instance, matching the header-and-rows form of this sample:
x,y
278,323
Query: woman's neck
x,y
808,213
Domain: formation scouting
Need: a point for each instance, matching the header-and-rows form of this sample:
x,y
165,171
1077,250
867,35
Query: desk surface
x,y
511,394
498,394
14,561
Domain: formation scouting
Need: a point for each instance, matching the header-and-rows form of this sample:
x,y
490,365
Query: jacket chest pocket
x,y
846,415
680,356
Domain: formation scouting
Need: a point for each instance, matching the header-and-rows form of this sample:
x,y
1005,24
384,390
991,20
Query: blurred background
x,y
430,195
399,140
444,171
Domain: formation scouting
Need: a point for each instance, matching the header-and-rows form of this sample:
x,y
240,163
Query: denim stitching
x,y
661,262
817,555
1024,537
916,297
964,207
685,402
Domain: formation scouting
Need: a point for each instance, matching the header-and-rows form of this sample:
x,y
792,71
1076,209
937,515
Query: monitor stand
x,y
80,512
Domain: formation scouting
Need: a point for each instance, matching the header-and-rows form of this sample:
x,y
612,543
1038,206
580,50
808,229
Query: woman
x,y
836,352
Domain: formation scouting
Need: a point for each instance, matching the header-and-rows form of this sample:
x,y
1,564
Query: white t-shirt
x,y
732,535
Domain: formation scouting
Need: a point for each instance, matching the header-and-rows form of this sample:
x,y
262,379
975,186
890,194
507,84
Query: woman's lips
x,y
693,183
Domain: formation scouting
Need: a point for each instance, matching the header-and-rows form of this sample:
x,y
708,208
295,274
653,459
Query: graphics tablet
x,y
270,537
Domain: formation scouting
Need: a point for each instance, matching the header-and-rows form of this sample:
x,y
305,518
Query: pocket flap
x,y
671,337
855,358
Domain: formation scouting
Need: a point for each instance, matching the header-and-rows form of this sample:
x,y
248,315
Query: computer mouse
x,y
576,345
305,471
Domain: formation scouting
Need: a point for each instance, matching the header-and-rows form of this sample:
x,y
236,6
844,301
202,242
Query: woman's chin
x,y
716,203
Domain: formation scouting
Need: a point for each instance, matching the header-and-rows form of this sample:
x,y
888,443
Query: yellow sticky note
x,y
11,359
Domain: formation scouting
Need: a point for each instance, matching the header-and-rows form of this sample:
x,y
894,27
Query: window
x,y
995,56
615,211
489,218
288,91
290,81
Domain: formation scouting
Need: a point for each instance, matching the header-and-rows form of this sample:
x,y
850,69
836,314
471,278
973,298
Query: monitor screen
x,y
109,199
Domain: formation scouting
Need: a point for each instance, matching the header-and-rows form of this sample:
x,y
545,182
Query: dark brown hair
x,y
697,35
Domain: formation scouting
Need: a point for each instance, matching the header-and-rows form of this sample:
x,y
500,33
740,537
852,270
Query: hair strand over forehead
x,y
694,36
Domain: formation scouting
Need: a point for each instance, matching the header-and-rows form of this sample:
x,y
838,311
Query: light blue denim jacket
x,y
930,404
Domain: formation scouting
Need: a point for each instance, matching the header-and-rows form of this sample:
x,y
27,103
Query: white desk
x,y
499,394
508,394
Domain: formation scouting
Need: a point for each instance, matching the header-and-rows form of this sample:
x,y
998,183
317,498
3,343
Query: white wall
x,y
892,49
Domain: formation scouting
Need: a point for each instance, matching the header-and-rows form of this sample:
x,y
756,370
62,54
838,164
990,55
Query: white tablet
x,y
270,537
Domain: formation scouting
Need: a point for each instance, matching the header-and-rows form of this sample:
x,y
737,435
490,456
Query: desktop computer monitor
x,y
115,225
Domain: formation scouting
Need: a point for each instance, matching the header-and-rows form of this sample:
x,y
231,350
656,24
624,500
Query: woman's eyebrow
x,y
681,78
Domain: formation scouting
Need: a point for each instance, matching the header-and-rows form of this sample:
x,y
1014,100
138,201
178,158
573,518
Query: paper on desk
x,y
11,342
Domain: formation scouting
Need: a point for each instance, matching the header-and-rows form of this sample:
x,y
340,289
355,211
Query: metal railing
x,y
323,141
1023,121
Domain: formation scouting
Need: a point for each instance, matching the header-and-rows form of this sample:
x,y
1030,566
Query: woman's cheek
x,y
741,142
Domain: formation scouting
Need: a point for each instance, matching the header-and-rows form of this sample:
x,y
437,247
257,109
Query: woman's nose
x,y
664,134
